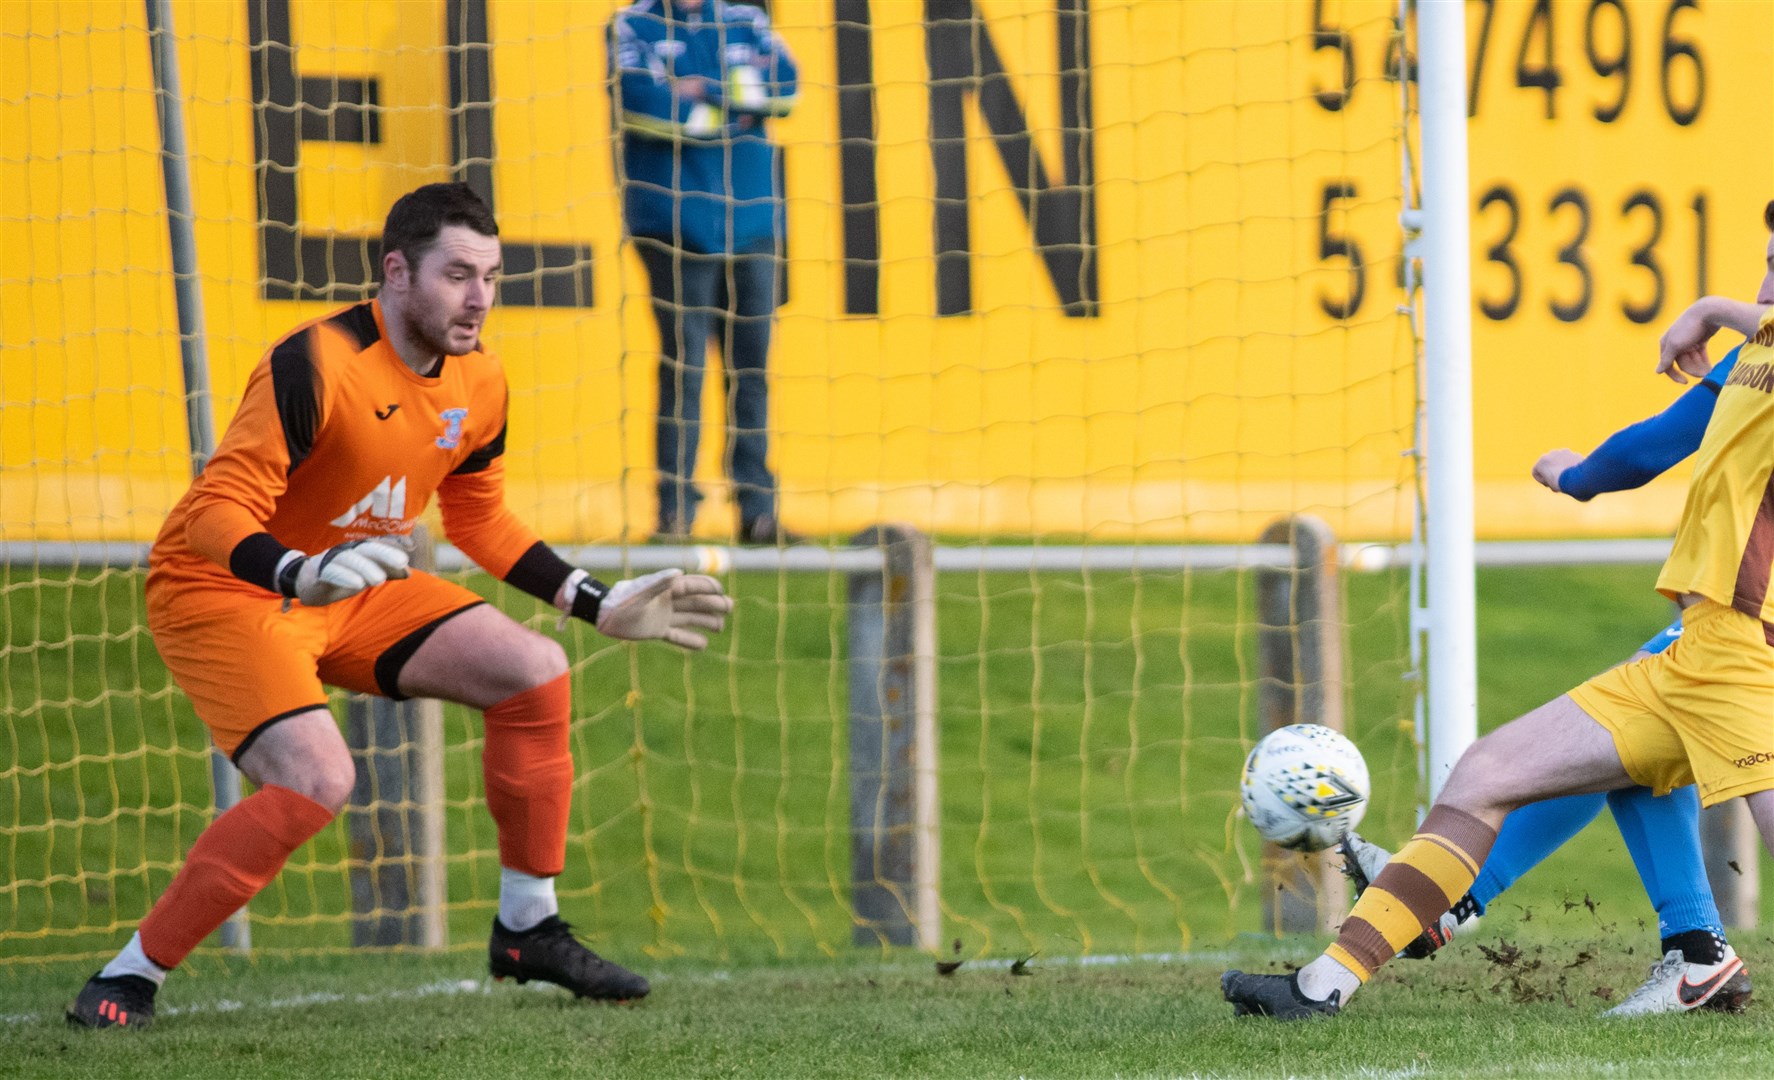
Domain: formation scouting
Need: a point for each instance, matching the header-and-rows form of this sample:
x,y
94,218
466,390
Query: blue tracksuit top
x,y
699,174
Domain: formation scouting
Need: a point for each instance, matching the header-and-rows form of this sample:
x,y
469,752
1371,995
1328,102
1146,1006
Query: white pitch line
x,y
461,987
442,988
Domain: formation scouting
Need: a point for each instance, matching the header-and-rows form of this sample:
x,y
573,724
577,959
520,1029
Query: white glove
x,y
342,571
668,605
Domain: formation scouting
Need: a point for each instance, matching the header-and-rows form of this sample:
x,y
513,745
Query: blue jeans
x,y
733,299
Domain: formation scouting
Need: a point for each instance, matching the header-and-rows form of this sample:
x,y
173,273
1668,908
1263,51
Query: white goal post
x,y
1450,620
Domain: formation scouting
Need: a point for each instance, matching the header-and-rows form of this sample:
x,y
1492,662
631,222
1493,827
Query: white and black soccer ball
x,y
1304,787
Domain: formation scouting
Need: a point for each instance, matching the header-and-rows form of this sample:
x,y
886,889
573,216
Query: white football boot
x,y
1677,986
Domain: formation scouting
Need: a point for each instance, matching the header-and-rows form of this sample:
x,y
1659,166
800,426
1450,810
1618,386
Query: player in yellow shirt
x,y
346,429
1700,712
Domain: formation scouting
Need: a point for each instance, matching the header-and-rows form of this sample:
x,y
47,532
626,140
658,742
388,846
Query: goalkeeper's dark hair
x,y
417,217
1768,215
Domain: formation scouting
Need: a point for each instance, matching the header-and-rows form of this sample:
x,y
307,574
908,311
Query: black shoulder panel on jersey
x,y
483,457
296,386
359,324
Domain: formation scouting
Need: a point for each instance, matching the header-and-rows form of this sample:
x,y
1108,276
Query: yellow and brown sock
x,y
1423,880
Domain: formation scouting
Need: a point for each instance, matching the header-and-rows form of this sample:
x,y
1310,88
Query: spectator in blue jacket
x,y
693,85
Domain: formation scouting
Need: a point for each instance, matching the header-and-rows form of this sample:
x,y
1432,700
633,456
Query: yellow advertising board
x,y
1165,304
1620,164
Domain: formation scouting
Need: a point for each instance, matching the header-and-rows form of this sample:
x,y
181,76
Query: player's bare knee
x,y
328,783
527,660
1477,782
540,661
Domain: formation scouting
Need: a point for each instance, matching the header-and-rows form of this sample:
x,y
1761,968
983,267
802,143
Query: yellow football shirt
x,y
1724,549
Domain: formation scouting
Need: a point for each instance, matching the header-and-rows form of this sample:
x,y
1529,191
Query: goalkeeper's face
x,y
449,293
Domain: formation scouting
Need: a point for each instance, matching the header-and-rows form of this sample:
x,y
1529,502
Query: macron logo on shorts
x,y
1757,758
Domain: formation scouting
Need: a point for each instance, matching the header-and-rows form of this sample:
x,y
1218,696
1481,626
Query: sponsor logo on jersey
x,y
1755,376
381,512
1760,757
452,436
383,414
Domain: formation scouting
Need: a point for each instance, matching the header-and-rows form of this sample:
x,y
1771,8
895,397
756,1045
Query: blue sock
x,y
1663,836
1529,835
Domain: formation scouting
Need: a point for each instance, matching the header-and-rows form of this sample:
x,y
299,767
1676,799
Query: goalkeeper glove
x,y
668,605
342,571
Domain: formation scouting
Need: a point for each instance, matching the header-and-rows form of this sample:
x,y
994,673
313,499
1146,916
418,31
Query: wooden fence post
x,y
1300,646
894,855
395,818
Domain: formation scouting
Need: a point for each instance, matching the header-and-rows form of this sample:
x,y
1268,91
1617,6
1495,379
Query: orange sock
x,y
529,774
236,856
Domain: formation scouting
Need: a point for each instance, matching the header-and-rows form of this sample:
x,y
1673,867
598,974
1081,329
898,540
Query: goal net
x,y
1071,287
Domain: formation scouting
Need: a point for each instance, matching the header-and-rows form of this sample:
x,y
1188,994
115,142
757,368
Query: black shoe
x,y
124,1001
1275,995
549,952
767,530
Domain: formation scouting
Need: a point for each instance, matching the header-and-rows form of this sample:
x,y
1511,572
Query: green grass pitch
x,y
711,852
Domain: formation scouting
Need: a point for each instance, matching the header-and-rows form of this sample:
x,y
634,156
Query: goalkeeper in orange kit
x,y
284,569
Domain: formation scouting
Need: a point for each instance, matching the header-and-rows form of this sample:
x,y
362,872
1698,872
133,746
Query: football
x,y
1304,787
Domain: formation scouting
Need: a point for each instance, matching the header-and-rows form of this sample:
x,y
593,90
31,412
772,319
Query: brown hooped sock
x,y
1425,878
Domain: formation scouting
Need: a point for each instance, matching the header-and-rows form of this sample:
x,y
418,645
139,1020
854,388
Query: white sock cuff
x,y
133,961
1325,976
524,899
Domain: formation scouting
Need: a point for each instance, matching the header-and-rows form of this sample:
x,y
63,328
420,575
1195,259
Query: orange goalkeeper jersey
x,y
338,439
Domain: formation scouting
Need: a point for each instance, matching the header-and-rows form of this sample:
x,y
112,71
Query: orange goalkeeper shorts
x,y
1701,711
246,663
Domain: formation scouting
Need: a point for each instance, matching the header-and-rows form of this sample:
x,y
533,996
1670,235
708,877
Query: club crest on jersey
x,y
452,436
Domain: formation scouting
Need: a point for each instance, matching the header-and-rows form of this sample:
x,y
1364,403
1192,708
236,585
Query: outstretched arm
x,y
1636,455
678,608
